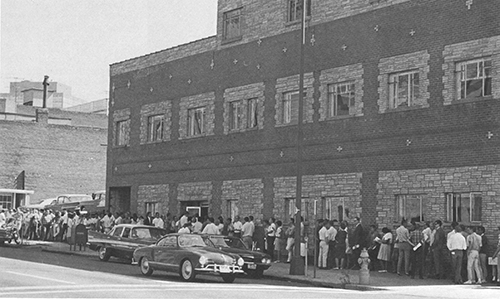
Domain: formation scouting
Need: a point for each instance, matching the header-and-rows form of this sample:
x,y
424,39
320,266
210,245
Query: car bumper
x,y
254,266
213,268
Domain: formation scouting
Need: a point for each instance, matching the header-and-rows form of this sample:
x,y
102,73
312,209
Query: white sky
x,y
75,41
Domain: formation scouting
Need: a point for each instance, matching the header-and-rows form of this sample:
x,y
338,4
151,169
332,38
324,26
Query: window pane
x,y
465,208
415,87
487,87
474,88
477,204
252,115
342,104
402,91
472,70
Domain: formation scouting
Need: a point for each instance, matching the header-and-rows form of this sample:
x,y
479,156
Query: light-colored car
x,y
70,202
42,204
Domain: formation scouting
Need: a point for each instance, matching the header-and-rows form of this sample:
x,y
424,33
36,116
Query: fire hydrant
x,y
364,273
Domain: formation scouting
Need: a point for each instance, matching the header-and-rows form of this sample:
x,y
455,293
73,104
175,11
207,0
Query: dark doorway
x,y
119,199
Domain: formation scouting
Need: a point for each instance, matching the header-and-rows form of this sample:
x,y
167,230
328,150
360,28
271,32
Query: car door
x,y
164,252
123,246
114,238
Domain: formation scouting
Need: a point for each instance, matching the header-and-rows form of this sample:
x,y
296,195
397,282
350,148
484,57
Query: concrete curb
x,y
80,253
324,284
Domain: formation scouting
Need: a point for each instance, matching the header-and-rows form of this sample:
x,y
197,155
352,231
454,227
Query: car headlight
x,y
241,262
203,260
265,260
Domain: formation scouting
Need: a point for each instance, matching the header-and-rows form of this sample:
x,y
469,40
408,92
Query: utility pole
x,y
297,263
45,83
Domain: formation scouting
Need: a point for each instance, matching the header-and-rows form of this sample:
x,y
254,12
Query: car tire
x,y
228,277
145,267
104,254
186,270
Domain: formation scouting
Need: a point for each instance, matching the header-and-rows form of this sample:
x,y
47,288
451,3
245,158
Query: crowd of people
x,y
412,249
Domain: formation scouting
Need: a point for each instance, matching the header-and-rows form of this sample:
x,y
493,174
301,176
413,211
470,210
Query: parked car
x,y
188,255
70,202
42,204
97,205
255,262
123,239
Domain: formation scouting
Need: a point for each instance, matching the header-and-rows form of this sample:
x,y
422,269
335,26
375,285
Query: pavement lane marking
x,y
40,277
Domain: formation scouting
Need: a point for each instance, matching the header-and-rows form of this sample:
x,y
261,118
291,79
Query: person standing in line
x,y
357,242
196,225
246,233
237,225
185,229
341,246
404,247
148,220
457,245
438,246
426,232
483,259
290,241
497,256
473,247
332,234
323,245
417,254
211,228
278,241
157,221
259,236
271,237
384,254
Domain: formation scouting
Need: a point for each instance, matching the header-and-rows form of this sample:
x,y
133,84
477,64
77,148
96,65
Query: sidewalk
x,y
348,279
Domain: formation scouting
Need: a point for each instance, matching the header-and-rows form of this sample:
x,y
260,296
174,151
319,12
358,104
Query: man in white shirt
x,y
210,228
474,243
3,219
196,225
247,233
158,222
456,244
107,222
237,225
184,219
324,238
185,229
332,233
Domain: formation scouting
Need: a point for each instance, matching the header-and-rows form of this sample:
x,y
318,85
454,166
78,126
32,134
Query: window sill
x,y
121,146
295,22
401,109
470,100
226,41
341,117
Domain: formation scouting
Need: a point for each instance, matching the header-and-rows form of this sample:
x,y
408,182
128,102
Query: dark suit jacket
x,y
439,239
358,236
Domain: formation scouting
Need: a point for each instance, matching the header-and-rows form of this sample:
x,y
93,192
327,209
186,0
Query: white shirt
x,y
456,242
211,229
2,218
332,233
246,230
197,226
185,230
271,230
183,220
237,226
427,234
158,222
323,234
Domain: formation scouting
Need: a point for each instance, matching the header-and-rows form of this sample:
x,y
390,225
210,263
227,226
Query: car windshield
x,y
147,233
186,240
219,241
235,243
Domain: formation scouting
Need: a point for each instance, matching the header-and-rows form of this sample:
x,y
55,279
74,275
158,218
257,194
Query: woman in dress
x,y
341,245
290,241
384,254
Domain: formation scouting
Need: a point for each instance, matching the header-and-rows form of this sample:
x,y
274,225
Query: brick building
x,y
401,114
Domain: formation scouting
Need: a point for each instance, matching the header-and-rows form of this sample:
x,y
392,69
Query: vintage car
x,y
70,202
188,255
255,262
123,239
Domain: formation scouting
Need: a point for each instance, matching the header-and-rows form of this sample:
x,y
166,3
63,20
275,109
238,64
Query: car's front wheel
x,y
187,270
228,277
145,267
104,254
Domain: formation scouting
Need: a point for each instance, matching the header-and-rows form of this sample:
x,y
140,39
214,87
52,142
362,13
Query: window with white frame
x,y
122,132
196,121
474,78
232,24
404,89
290,105
295,9
155,127
232,208
152,207
6,202
410,207
334,208
236,115
290,208
464,207
340,98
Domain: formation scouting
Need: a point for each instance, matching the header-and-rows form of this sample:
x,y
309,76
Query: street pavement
x,y
347,279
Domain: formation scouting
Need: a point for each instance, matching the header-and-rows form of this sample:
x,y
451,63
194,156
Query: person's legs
x,y
470,264
477,268
407,249
400,259
483,263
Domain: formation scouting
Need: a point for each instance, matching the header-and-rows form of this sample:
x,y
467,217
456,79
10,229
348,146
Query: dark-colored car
x,y
255,262
123,239
188,255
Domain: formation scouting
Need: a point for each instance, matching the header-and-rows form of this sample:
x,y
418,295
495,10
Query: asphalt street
x,y
32,273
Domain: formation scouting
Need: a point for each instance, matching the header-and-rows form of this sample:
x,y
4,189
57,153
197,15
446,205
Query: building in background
x,y
97,106
401,115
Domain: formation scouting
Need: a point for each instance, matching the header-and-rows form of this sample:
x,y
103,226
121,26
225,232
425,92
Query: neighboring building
x,y
97,106
56,152
401,114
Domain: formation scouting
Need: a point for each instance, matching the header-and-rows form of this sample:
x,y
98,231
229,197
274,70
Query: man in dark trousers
x,y
357,243
438,247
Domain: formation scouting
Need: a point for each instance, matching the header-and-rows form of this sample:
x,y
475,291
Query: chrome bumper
x,y
220,269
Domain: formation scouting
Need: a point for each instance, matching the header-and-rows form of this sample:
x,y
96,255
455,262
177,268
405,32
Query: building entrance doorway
x,y
195,207
119,199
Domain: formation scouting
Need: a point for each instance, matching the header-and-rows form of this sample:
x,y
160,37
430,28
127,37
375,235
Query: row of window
x,y
232,20
473,80
460,207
